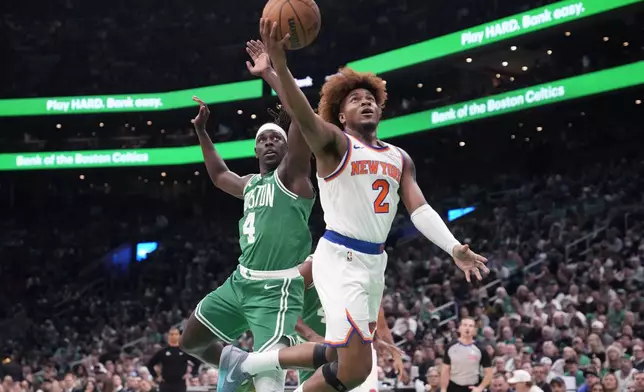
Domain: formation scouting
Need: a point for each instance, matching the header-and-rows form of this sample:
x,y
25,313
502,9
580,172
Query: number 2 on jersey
x,y
248,228
379,205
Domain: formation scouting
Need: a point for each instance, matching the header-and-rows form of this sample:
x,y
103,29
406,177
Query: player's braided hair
x,y
280,117
338,86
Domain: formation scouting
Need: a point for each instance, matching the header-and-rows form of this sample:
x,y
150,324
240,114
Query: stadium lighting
x,y
162,183
133,128
512,137
568,33
101,125
240,112
527,139
439,89
163,131
539,129
468,60
253,116
146,180
524,68
606,39
513,48
505,63
188,182
498,76
197,173
462,144
626,44
419,85
149,122
638,102
163,174
82,177
549,52
58,126
512,78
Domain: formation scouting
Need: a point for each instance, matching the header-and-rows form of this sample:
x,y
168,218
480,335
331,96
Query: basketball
x,y
300,18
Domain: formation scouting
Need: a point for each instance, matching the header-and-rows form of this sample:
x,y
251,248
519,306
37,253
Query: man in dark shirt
x,y
463,360
540,374
174,363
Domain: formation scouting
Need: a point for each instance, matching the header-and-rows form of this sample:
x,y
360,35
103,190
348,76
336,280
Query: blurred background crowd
x,y
554,197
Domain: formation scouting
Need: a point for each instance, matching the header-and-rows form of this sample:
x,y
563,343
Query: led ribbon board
x,y
495,105
131,102
485,34
499,30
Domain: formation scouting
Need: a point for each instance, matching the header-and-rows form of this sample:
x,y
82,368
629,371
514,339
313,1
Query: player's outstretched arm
x,y
219,173
432,226
295,169
319,134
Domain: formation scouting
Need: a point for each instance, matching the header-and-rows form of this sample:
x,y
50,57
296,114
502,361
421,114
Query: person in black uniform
x,y
174,363
463,360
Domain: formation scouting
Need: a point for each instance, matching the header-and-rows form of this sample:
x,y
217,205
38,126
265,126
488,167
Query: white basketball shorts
x,y
350,285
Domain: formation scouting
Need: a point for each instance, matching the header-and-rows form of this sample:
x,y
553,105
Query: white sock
x,y
261,362
300,388
270,381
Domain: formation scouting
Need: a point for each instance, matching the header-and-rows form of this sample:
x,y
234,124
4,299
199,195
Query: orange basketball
x,y
300,18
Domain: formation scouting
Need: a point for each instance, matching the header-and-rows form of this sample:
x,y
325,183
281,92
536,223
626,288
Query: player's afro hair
x,y
338,86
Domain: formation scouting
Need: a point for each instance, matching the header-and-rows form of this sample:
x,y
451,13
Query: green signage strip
x,y
531,97
131,102
488,33
499,30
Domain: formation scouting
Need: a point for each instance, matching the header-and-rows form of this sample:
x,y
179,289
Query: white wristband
x,y
430,224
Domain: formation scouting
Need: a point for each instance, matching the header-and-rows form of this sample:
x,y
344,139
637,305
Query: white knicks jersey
x,y
360,198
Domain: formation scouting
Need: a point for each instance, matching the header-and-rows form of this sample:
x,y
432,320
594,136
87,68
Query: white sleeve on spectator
x,y
430,224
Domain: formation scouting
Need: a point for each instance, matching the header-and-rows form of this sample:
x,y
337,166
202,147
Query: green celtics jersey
x,y
274,231
313,313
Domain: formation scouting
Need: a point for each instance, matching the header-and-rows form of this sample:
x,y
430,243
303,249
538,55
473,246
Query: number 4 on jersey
x,y
248,229
379,205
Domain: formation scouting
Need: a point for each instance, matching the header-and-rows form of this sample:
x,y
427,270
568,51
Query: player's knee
x,y
355,367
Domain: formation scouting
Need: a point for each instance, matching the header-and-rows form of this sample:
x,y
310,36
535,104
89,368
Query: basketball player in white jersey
x,y
361,181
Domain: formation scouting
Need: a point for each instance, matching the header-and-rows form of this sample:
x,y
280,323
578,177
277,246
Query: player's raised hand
x,y
276,48
469,262
261,61
202,118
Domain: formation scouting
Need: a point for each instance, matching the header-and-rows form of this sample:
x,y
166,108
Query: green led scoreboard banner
x,y
485,34
545,94
499,30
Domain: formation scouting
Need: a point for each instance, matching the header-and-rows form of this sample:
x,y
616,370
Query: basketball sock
x,y
261,362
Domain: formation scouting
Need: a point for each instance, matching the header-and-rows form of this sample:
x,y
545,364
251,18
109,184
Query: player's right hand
x,y
275,47
202,118
469,262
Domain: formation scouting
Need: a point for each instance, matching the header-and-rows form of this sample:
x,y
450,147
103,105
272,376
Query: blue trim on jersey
x,y
365,247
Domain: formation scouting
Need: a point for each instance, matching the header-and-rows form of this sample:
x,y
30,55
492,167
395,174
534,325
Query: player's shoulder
x,y
250,179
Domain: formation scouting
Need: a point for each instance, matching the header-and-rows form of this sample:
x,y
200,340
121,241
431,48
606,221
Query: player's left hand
x,y
385,349
469,262
261,61
275,48
202,118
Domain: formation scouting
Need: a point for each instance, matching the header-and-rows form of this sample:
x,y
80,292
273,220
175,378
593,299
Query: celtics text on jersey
x,y
274,232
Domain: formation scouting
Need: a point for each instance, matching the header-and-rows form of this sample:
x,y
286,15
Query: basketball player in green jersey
x,y
265,292
312,328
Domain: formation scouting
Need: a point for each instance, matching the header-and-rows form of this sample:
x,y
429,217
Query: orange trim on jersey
x,y
352,330
372,148
343,164
376,149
